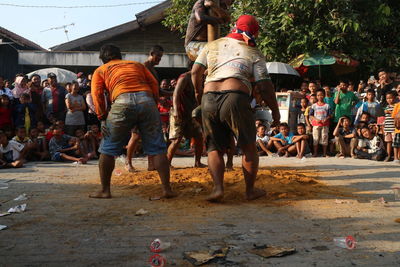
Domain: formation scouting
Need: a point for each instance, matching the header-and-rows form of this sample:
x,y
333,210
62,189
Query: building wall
x,y
8,62
142,40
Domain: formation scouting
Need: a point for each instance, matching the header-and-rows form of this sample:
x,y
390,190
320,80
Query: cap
x,y
51,75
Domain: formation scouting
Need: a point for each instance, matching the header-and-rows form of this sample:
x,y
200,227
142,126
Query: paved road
x,y
62,227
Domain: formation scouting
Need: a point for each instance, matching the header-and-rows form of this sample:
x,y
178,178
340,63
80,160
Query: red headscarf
x,y
246,30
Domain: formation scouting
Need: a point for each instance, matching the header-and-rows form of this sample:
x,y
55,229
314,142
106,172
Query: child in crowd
x,y
87,144
41,129
396,140
389,123
345,138
96,133
320,114
21,136
11,153
164,107
371,106
5,112
39,147
63,147
301,118
24,113
370,145
75,119
301,141
313,100
262,141
283,142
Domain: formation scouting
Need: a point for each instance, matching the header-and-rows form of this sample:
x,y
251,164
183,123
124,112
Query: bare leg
x,y
389,151
198,143
172,148
130,150
216,165
161,164
396,153
229,155
325,150
70,158
250,169
106,168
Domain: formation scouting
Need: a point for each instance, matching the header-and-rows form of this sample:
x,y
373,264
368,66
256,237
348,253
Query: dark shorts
x,y
225,114
130,110
396,141
186,127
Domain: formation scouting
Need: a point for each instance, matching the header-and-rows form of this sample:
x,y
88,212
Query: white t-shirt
x,y
12,151
372,145
264,139
229,58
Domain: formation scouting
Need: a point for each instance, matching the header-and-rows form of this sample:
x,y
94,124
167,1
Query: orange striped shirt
x,y
118,77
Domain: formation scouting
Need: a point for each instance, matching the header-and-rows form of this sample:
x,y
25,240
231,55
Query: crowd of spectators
x,y
44,120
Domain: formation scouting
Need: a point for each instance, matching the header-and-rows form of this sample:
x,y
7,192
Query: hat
x,y
79,74
51,75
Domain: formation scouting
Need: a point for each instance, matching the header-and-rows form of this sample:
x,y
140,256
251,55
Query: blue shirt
x,y
288,139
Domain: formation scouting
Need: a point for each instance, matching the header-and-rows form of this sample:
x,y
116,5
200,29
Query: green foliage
x,y
367,30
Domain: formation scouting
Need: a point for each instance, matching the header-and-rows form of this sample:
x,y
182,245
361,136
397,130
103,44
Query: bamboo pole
x,y
213,32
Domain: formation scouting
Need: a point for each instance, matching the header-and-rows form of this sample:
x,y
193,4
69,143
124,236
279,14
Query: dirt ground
x,y
308,204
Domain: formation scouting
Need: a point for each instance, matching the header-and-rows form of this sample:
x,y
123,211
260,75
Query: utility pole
x,y
61,27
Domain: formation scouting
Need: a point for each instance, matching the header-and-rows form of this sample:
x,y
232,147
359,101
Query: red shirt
x,y
5,117
54,93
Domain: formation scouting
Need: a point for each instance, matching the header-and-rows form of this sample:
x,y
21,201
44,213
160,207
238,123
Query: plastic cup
x,y
157,261
396,192
345,242
157,245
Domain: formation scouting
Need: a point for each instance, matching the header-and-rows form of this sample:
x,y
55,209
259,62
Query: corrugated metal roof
x,y
21,41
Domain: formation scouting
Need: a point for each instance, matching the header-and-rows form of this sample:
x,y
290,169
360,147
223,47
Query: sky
x,y
30,22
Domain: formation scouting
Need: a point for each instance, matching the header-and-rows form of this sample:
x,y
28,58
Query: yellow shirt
x,y
396,110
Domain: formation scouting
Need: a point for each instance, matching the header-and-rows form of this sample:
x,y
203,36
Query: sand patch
x,y
195,183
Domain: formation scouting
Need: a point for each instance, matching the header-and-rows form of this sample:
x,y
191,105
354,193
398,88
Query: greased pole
x,y
213,32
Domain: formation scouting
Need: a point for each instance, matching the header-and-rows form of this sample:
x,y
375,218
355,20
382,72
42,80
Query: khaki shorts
x,y
187,128
194,48
320,135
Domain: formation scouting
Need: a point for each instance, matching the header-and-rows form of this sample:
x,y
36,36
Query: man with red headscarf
x,y
233,62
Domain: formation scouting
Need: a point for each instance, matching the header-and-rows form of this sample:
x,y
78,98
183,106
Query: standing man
x,y
36,95
232,63
385,85
344,100
196,33
181,121
53,99
156,53
133,91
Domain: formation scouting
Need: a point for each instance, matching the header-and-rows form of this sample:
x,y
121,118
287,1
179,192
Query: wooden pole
x,y
213,32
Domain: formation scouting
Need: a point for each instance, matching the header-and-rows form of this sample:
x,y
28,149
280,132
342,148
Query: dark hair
x,y
109,52
382,70
393,93
68,83
344,81
301,125
366,113
305,98
261,125
346,117
35,75
372,91
156,49
284,124
33,128
19,128
26,95
364,127
313,95
322,91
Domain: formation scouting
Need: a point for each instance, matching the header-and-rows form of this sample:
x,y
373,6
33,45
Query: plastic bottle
x,y
345,242
157,245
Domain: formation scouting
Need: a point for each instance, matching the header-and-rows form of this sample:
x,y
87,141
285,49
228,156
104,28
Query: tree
x,y
367,30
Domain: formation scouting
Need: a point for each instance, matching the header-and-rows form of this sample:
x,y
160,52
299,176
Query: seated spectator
x,y
301,140
370,145
5,112
63,147
371,106
75,118
263,142
55,124
345,137
283,142
87,144
96,133
25,113
11,153
41,129
39,150
21,136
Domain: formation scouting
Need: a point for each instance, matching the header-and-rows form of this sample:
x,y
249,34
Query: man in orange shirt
x,y
133,91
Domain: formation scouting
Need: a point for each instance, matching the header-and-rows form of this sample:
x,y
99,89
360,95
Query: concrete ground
x,y
63,227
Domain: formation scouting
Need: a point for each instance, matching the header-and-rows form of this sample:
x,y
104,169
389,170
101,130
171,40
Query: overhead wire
x,y
83,6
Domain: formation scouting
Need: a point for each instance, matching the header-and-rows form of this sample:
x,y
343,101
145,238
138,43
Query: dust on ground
x,y
283,185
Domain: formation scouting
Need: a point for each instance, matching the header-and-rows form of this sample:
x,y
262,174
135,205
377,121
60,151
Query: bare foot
x,y
129,168
200,165
216,196
83,160
299,156
100,194
255,193
169,194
